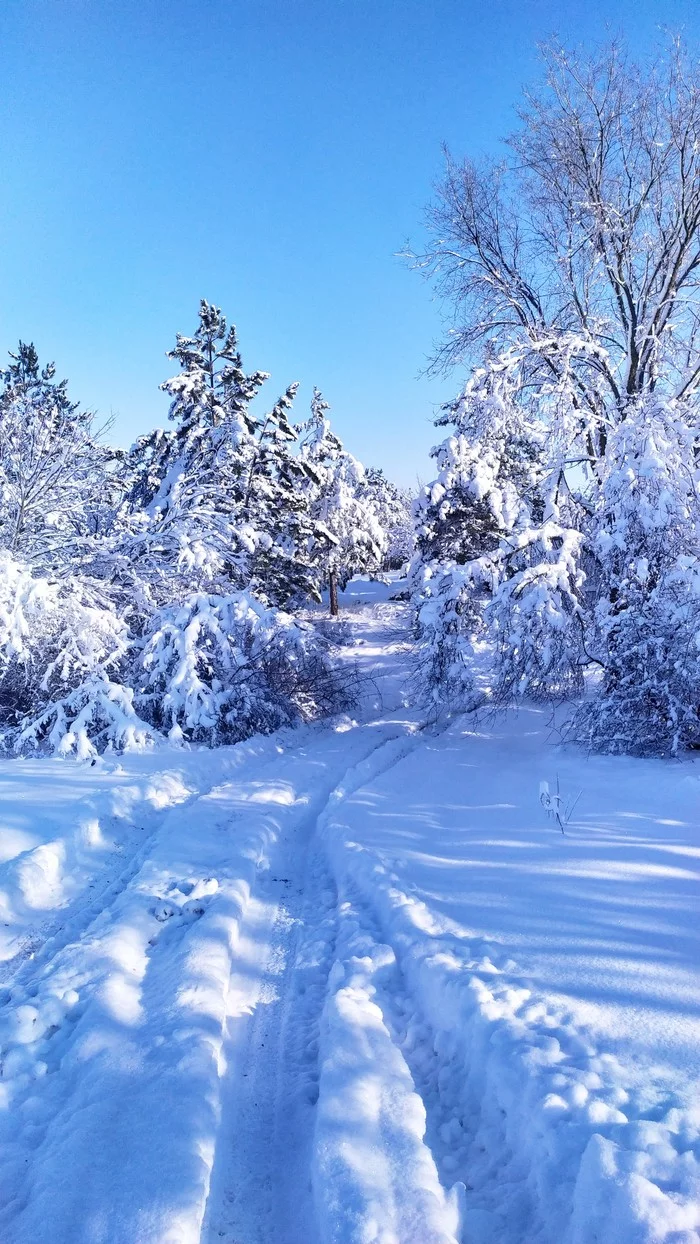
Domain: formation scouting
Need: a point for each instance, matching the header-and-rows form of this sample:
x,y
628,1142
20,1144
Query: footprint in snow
x,y
195,906
164,911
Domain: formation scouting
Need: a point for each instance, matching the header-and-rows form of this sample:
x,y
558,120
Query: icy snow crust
x,y
350,984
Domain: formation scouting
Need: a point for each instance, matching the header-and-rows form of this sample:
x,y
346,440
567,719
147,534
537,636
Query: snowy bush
x,y
77,678
450,620
98,715
523,603
221,668
646,536
63,652
535,615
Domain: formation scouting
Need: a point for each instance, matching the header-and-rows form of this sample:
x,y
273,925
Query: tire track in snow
x,y
23,970
261,1190
419,1198
116,1031
261,1183
435,1070
436,1058
379,1176
67,924
70,922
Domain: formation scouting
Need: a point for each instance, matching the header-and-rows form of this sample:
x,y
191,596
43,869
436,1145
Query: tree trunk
x,y
333,592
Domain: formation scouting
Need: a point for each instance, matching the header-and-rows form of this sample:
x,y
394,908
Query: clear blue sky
x,y
269,155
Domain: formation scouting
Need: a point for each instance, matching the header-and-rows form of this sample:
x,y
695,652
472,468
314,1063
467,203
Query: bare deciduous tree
x,y
581,250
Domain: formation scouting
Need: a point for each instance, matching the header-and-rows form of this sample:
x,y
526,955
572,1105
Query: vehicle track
x,y
261,1186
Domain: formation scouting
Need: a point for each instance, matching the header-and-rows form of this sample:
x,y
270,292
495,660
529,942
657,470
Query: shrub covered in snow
x,y
449,622
646,537
535,615
76,676
220,668
64,651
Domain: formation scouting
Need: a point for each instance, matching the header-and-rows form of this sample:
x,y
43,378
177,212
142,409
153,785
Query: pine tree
x,y
489,471
275,506
348,538
393,509
645,535
53,471
222,492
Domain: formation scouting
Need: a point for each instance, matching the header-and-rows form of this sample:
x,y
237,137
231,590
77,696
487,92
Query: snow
x,y
549,982
352,983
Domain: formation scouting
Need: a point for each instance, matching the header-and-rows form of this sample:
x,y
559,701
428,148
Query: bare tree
x,y
581,250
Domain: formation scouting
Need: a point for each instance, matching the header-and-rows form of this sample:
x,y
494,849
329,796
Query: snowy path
x,y
262,1179
348,985
261,1186
125,1027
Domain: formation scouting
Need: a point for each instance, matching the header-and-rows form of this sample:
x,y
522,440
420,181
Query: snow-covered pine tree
x,y
53,469
348,538
393,510
496,555
218,501
489,470
211,387
645,534
185,484
276,507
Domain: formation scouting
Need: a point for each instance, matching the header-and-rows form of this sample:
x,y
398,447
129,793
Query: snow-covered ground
x,y
352,984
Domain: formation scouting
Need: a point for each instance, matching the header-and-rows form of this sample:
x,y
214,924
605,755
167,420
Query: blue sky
x,y
269,155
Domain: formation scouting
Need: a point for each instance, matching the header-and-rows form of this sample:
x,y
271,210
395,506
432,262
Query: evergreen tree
x,y
53,471
645,534
211,387
393,510
222,491
348,538
489,471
